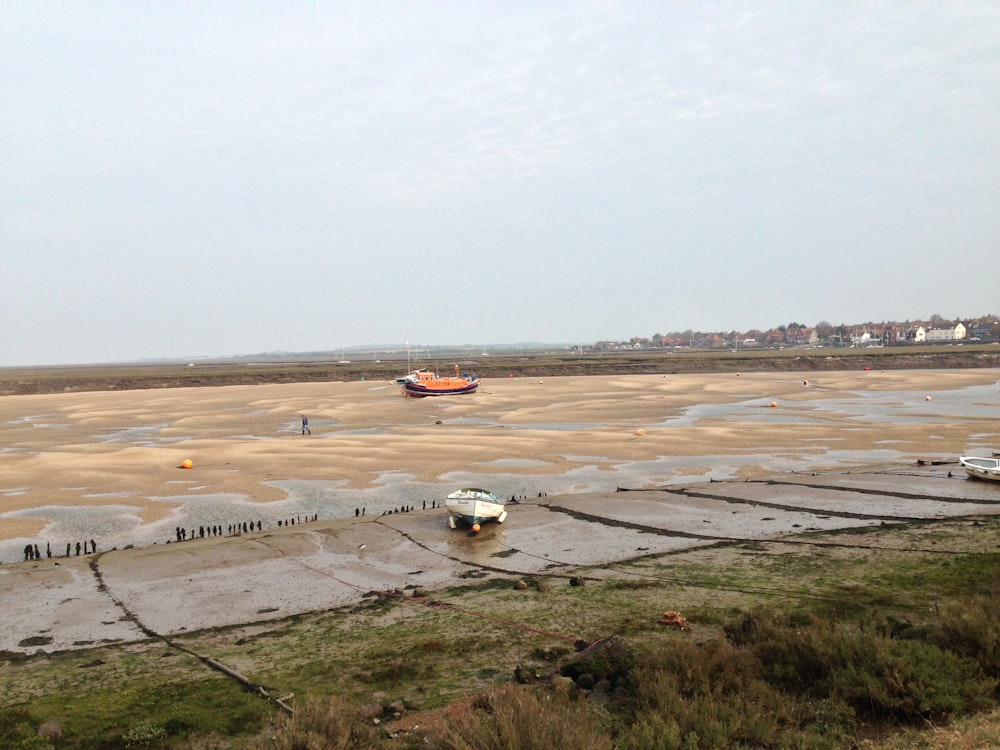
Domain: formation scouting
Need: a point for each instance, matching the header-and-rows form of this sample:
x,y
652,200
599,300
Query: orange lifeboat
x,y
420,383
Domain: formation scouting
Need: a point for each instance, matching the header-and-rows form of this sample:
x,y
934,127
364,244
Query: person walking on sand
x,y
305,425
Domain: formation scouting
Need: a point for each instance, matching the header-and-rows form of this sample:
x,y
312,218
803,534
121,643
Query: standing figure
x,y
305,425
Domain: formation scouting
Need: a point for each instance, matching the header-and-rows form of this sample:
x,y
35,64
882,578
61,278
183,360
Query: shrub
x,y
319,725
908,680
142,735
514,716
879,676
706,696
971,629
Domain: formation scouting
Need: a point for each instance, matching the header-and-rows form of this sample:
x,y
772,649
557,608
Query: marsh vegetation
x,y
885,638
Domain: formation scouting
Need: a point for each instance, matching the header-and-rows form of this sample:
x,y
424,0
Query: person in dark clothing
x,y
305,425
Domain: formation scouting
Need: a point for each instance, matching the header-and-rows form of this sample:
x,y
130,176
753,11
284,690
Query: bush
x,y
880,677
515,716
319,725
706,696
972,630
910,681
144,734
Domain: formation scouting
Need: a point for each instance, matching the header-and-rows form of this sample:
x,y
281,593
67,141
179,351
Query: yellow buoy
x,y
187,464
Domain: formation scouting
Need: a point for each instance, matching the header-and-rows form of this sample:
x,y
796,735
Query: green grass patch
x,y
842,641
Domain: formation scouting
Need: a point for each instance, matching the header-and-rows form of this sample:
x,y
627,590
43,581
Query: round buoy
x,y
187,464
928,399
774,404
640,432
540,382
475,527
805,382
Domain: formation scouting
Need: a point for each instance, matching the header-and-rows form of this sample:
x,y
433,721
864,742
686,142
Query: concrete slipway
x,y
66,603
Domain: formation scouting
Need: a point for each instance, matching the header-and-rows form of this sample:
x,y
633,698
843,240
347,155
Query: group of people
x,y
216,530
31,551
403,509
235,529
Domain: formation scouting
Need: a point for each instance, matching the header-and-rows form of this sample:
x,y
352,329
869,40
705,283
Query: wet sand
x,y
81,464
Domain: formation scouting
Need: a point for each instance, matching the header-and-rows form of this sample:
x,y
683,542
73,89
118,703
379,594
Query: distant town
x,y
934,330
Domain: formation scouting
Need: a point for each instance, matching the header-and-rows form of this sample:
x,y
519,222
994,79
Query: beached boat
x,y
474,507
981,468
428,383
413,376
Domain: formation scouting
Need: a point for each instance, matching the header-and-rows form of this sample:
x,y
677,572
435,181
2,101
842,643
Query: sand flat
x,y
107,467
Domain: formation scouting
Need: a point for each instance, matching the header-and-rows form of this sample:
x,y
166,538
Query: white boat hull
x,y
978,467
475,507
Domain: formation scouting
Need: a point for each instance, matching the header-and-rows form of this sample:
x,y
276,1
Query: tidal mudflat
x,y
706,458
106,466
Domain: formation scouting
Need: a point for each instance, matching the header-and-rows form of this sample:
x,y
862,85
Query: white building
x,y
954,332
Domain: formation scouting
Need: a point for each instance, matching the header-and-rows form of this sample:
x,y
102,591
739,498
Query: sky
x,y
211,179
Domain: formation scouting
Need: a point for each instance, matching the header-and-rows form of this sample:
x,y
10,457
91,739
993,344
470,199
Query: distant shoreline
x,y
138,376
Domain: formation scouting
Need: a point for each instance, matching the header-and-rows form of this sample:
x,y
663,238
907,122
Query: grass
x,y
842,643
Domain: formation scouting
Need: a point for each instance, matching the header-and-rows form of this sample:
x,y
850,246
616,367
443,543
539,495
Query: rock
x,y
609,659
525,675
52,730
370,711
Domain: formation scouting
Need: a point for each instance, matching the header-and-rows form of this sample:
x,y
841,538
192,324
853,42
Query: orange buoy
x,y
774,404
475,527
187,464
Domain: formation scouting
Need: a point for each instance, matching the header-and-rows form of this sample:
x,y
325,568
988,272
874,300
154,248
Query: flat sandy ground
x,y
583,435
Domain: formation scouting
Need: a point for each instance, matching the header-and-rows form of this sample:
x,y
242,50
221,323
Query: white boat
x,y
981,468
474,507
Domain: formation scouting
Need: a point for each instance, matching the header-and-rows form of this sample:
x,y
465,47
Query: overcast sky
x,y
182,180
